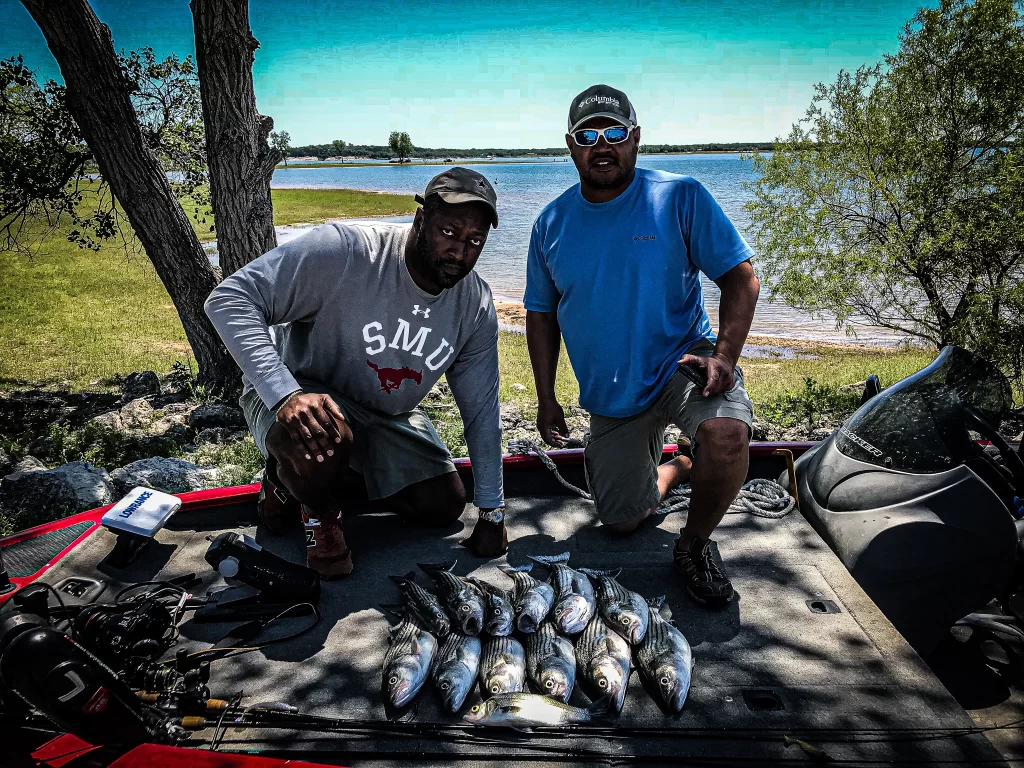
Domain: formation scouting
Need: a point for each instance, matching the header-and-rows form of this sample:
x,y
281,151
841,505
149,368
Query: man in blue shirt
x,y
614,269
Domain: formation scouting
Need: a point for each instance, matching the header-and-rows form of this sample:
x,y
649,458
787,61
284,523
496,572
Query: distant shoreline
x,y
471,161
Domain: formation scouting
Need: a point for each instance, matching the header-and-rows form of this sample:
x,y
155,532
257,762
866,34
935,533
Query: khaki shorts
x,y
390,452
622,456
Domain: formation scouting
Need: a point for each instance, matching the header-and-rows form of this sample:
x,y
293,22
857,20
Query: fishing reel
x,y
116,633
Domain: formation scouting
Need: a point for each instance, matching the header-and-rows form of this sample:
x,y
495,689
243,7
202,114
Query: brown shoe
x,y
277,509
326,551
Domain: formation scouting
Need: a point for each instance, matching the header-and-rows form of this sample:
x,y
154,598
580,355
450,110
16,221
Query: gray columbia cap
x,y
601,101
461,185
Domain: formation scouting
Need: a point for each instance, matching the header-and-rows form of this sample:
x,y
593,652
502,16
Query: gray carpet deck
x,y
845,682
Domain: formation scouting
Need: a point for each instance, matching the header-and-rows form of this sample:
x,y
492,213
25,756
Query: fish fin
x,y
510,569
400,580
550,559
435,567
600,708
613,572
656,602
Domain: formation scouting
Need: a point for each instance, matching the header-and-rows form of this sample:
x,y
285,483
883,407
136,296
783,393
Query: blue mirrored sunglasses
x,y
614,134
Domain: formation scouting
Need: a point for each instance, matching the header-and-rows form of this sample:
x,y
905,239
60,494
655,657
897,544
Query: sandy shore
x,y
512,313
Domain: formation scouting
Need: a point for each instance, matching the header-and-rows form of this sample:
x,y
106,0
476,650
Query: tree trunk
x,y
241,162
98,98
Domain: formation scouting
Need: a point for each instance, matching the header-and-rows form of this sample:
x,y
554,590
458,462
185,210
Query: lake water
x,y
524,188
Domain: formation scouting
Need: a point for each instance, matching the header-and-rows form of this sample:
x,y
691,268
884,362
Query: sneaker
x,y
277,509
326,550
706,582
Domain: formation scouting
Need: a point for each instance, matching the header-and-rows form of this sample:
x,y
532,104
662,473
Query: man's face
x,y
604,165
449,241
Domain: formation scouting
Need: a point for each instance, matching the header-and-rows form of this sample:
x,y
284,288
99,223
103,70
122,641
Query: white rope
x,y
761,498
525,446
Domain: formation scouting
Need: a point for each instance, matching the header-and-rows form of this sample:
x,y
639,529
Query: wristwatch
x,y
496,515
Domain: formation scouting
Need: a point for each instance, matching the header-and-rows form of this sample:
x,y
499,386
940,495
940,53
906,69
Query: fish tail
x,y
400,580
510,569
550,559
656,602
394,611
600,708
613,572
436,567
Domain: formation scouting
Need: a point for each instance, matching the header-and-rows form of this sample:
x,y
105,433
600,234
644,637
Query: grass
x,y
315,206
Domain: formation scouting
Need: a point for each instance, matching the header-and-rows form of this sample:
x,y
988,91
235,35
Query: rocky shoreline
x,y
65,452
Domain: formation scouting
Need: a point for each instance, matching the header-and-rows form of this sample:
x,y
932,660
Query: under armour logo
x,y
417,311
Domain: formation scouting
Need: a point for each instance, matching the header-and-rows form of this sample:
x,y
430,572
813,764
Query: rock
x,y
138,414
164,474
40,495
220,435
211,416
517,387
163,425
110,420
29,464
179,409
42,446
140,385
179,434
5,462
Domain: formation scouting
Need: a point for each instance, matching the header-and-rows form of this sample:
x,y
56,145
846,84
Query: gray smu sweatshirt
x,y
338,306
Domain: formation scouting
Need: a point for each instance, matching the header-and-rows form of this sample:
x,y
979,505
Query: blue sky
x,y
502,74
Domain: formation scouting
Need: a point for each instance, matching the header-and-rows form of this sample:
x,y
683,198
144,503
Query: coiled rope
x,y
761,498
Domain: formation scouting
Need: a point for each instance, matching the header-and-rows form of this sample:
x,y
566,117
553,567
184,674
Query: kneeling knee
x,y
444,511
724,439
625,528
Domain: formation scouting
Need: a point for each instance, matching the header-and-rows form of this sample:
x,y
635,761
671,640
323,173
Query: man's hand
x,y
717,369
488,539
551,423
312,422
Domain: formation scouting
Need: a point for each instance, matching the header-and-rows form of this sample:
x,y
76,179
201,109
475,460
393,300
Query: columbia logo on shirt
x,y
642,237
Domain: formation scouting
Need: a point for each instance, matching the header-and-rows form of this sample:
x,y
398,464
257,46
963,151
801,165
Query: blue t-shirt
x,y
624,279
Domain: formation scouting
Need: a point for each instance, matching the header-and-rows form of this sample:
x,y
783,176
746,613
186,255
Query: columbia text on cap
x,y
461,185
601,101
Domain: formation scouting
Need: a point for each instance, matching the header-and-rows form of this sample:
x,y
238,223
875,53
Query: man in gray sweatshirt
x,y
340,334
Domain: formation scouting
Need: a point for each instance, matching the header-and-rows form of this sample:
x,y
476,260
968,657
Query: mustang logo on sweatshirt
x,y
392,378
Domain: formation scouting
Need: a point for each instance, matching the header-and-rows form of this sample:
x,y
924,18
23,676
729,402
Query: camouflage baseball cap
x,y
461,185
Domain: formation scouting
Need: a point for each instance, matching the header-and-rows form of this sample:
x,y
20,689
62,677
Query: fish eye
x,y
463,608
476,708
602,683
625,621
444,686
495,689
497,611
665,681
393,681
549,684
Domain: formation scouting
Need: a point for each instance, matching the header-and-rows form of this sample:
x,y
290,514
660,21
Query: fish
x,y
531,599
464,602
456,666
665,659
623,609
498,613
523,710
603,662
575,602
423,604
408,660
502,666
551,662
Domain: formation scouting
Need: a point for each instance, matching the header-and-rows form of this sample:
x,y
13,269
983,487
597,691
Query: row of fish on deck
x,y
577,622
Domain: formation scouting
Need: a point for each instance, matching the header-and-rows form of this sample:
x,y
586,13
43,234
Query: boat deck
x,y
767,667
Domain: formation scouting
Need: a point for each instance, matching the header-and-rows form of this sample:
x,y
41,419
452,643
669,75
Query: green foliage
x,y
400,145
239,460
184,378
281,141
44,157
103,447
338,147
899,199
813,404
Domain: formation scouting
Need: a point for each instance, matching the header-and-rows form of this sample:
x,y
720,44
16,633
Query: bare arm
x,y
544,341
740,288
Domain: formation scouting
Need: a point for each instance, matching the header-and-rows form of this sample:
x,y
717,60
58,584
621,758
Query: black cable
x,y
231,652
67,618
163,584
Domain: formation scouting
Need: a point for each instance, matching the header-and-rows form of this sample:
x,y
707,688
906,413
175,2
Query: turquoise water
x,y
525,188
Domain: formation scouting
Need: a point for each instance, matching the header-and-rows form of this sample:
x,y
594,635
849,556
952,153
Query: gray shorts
x,y
622,456
390,452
